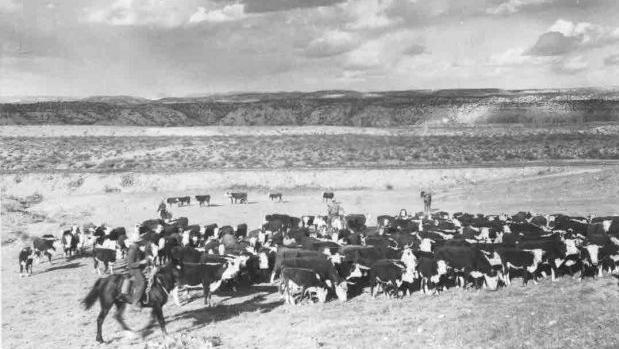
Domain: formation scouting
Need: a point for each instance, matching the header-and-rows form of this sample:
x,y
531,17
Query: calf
x,y
107,256
44,245
238,197
26,256
274,196
307,280
201,199
324,268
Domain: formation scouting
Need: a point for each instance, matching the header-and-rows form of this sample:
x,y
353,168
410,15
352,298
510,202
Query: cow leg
x,y
49,257
96,266
100,319
600,270
525,278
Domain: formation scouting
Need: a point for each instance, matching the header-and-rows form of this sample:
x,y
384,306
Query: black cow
x,y
274,196
184,200
200,268
285,253
241,231
387,274
517,259
465,262
327,196
171,201
201,199
305,279
355,222
26,256
429,270
44,245
106,256
322,266
237,197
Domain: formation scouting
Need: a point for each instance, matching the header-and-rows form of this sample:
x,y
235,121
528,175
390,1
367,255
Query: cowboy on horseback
x,y
163,211
138,264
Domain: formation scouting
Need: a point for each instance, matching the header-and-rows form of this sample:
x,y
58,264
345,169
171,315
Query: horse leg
x,y
120,309
105,308
159,314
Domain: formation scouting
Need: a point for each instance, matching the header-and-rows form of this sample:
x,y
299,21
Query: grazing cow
x,y
322,266
171,201
44,245
465,262
201,199
327,196
106,256
237,197
386,274
517,259
184,200
26,256
296,283
274,196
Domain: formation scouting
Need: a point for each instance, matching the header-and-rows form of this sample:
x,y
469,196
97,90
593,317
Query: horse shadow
x,y
223,312
62,267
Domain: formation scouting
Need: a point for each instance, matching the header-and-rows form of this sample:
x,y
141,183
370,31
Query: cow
x,y
355,222
201,199
198,268
322,266
44,245
386,274
273,196
518,259
307,221
26,257
171,201
69,242
304,280
106,256
385,221
241,231
466,261
327,196
590,260
429,270
237,197
184,200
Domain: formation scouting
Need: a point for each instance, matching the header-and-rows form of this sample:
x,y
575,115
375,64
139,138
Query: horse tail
x,y
94,293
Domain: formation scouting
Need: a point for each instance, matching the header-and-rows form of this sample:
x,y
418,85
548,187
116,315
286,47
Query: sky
x,y
159,48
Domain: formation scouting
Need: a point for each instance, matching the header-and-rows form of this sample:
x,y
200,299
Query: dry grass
x,y
113,154
565,314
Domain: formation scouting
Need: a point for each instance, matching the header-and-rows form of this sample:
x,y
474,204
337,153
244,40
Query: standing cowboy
x,y
427,202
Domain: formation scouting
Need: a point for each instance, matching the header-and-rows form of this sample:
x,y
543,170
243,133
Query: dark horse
x,y
108,290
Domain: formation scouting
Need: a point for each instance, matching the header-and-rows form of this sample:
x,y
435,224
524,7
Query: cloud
x,y
564,37
513,6
368,14
9,6
414,50
259,6
612,60
227,13
332,43
571,65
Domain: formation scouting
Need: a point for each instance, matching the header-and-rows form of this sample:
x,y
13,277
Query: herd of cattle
x,y
321,257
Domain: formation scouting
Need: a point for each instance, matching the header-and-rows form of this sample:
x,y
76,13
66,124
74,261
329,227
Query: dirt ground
x,y
43,310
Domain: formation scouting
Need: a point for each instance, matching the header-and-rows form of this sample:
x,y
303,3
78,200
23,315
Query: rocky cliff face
x,y
346,109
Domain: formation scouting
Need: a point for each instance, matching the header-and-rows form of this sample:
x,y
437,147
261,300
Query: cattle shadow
x,y
62,267
223,312
228,293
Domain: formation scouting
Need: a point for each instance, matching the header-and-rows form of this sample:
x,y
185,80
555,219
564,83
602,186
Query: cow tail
x,y
94,293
